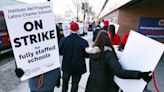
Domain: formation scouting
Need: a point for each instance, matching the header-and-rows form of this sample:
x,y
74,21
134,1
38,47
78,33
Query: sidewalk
x,y
17,86
10,83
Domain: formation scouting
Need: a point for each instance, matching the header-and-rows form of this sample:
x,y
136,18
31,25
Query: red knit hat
x,y
74,26
106,23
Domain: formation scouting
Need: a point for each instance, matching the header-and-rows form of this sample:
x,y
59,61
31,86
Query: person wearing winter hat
x,y
106,25
74,27
72,48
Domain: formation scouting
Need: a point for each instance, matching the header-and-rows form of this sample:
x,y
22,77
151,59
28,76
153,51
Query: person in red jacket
x,y
115,38
123,41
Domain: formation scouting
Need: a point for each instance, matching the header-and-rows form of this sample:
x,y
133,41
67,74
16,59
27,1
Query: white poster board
x,y
140,53
66,29
86,25
90,35
81,28
33,37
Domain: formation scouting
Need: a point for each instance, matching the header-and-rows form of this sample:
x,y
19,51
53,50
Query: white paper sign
x,y
66,29
90,35
33,37
81,28
140,53
85,25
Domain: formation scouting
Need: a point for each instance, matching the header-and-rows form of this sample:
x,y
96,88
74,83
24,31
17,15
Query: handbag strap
x,y
40,81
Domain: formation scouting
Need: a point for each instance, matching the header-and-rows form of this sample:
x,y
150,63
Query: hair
x,y
112,30
101,41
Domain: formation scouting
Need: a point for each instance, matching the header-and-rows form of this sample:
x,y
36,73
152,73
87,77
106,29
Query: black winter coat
x,y
95,33
73,50
102,73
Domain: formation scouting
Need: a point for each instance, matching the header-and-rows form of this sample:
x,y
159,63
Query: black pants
x,y
75,82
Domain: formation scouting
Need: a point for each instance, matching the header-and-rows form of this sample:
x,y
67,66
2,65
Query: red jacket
x,y
116,40
124,38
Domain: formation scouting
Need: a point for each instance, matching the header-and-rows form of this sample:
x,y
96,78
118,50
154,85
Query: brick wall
x,y
113,16
129,16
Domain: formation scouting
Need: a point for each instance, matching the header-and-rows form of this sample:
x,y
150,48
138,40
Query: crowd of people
x,y
103,62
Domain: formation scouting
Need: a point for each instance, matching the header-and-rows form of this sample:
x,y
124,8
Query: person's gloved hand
x,y
58,83
121,47
147,76
19,72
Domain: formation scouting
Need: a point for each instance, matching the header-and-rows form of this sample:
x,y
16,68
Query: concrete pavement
x,y
159,74
10,83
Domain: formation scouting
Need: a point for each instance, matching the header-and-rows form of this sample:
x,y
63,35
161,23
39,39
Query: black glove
x,y
146,76
58,83
19,72
121,47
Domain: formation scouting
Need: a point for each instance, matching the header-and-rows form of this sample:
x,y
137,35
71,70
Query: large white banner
x,y
33,37
140,53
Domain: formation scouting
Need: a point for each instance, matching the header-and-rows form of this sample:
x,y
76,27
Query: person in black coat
x,y
95,32
104,65
59,31
42,83
73,65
